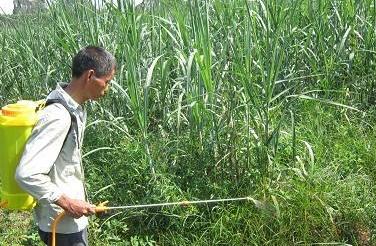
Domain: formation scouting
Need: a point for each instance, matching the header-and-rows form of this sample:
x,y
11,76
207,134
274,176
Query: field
x,y
272,99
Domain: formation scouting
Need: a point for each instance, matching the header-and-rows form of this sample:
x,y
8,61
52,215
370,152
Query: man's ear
x,y
88,75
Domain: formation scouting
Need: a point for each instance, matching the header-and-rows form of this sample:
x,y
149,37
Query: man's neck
x,y
75,92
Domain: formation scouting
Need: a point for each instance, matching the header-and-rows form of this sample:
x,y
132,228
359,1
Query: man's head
x,y
95,58
92,70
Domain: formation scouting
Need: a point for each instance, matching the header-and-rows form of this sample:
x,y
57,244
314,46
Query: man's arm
x,y
41,152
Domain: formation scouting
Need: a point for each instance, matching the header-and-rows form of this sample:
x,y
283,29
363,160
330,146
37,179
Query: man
x,y
50,168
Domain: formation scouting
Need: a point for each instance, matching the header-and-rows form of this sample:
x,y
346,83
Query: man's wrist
x,y
62,201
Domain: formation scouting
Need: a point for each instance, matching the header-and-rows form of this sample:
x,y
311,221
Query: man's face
x,y
98,86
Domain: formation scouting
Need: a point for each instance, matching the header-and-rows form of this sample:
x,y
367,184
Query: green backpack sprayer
x,y
16,123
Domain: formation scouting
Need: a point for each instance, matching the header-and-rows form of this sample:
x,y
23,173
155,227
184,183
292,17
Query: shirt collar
x,y
60,93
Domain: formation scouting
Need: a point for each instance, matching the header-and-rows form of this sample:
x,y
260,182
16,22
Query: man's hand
x,y
75,208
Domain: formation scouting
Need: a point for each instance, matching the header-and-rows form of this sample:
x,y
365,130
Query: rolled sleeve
x,y
41,152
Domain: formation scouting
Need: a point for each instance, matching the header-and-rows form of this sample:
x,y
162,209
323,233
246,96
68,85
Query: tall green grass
x,y
217,99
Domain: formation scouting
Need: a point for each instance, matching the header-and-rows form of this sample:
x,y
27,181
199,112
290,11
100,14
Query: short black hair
x,y
93,57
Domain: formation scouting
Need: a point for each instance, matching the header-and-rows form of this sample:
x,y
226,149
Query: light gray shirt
x,y
50,166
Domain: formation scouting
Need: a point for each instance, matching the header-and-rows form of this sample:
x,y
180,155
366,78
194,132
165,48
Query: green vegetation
x,y
214,99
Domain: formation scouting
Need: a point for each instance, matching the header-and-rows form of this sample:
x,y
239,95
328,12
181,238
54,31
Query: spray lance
x,y
102,207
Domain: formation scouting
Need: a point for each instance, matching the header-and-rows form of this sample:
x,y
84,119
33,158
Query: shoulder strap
x,y
73,118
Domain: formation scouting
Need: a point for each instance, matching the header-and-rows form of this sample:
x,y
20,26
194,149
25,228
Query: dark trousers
x,y
73,239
